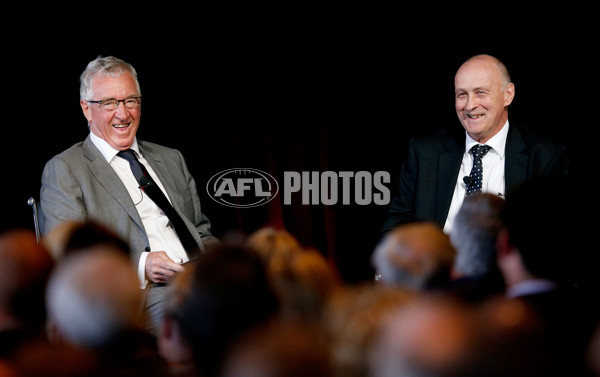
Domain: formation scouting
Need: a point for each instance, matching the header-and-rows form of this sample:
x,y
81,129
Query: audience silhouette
x,y
506,293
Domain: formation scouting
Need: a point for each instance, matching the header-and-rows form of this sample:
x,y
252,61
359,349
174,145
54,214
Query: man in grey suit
x,y
91,181
437,173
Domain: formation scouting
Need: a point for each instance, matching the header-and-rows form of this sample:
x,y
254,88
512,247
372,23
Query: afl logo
x,y
242,187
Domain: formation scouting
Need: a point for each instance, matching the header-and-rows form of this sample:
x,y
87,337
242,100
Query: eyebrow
x,y
114,98
458,90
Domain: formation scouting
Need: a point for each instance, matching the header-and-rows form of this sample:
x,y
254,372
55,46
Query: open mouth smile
x,y
121,126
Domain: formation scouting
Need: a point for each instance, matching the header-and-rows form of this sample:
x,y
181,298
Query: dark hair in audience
x,y
90,234
229,295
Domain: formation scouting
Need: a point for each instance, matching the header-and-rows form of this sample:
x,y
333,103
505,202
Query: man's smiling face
x,y
117,127
481,98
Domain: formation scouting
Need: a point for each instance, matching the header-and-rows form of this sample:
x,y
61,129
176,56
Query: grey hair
x,y
414,255
107,67
89,309
474,234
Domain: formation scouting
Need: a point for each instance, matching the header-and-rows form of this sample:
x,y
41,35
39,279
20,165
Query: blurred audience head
x,y
273,245
474,234
172,344
439,337
415,255
281,349
24,271
229,295
350,321
475,273
74,236
93,298
592,356
423,339
303,284
301,278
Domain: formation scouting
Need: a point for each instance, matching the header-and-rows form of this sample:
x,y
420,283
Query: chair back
x,y
36,220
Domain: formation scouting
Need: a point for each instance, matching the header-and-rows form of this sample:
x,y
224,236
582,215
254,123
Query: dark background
x,y
307,95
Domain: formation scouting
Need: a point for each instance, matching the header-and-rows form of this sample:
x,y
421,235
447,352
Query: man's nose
x,y
471,102
122,111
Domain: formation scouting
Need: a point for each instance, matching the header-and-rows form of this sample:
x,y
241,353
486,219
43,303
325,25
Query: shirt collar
x,y
530,287
107,151
497,142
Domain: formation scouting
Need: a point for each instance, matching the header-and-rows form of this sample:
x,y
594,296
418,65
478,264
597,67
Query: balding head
x,y
93,297
490,61
415,255
483,91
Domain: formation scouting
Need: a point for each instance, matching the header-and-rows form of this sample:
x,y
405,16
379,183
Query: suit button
x,y
147,248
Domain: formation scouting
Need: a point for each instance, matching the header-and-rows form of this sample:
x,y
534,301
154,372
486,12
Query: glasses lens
x,y
109,105
132,103
113,104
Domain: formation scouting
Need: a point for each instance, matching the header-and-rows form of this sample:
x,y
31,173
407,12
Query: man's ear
x,y
52,332
503,245
85,106
166,327
509,94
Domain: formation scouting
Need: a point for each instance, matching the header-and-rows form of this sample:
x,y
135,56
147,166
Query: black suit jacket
x,y
567,318
430,171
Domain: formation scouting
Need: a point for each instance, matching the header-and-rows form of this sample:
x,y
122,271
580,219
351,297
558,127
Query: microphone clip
x,y
468,180
145,182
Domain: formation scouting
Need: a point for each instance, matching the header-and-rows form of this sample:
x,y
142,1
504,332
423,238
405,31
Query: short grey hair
x,y
474,234
414,256
107,67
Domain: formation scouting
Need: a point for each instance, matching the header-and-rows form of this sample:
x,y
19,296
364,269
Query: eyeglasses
x,y
113,104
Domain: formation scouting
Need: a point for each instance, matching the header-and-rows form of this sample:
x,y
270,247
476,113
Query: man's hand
x,y
160,268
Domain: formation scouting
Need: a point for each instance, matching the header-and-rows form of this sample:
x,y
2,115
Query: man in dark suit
x,y
437,174
543,252
93,180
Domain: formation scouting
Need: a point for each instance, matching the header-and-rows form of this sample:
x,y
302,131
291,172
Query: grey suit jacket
x,y
79,184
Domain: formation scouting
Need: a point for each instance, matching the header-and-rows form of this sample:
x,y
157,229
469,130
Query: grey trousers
x,y
154,306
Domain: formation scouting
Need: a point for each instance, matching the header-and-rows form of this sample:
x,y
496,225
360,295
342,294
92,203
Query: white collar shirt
x,y
493,172
530,287
161,235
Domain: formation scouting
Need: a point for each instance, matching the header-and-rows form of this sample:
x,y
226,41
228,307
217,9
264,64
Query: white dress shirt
x,y
161,235
493,172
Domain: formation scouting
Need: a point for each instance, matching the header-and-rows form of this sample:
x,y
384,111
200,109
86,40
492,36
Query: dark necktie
x,y
158,197
476,176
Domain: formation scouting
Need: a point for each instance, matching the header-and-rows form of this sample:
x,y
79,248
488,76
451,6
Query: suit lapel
x,y
164,175
107,178
515,166
173,184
